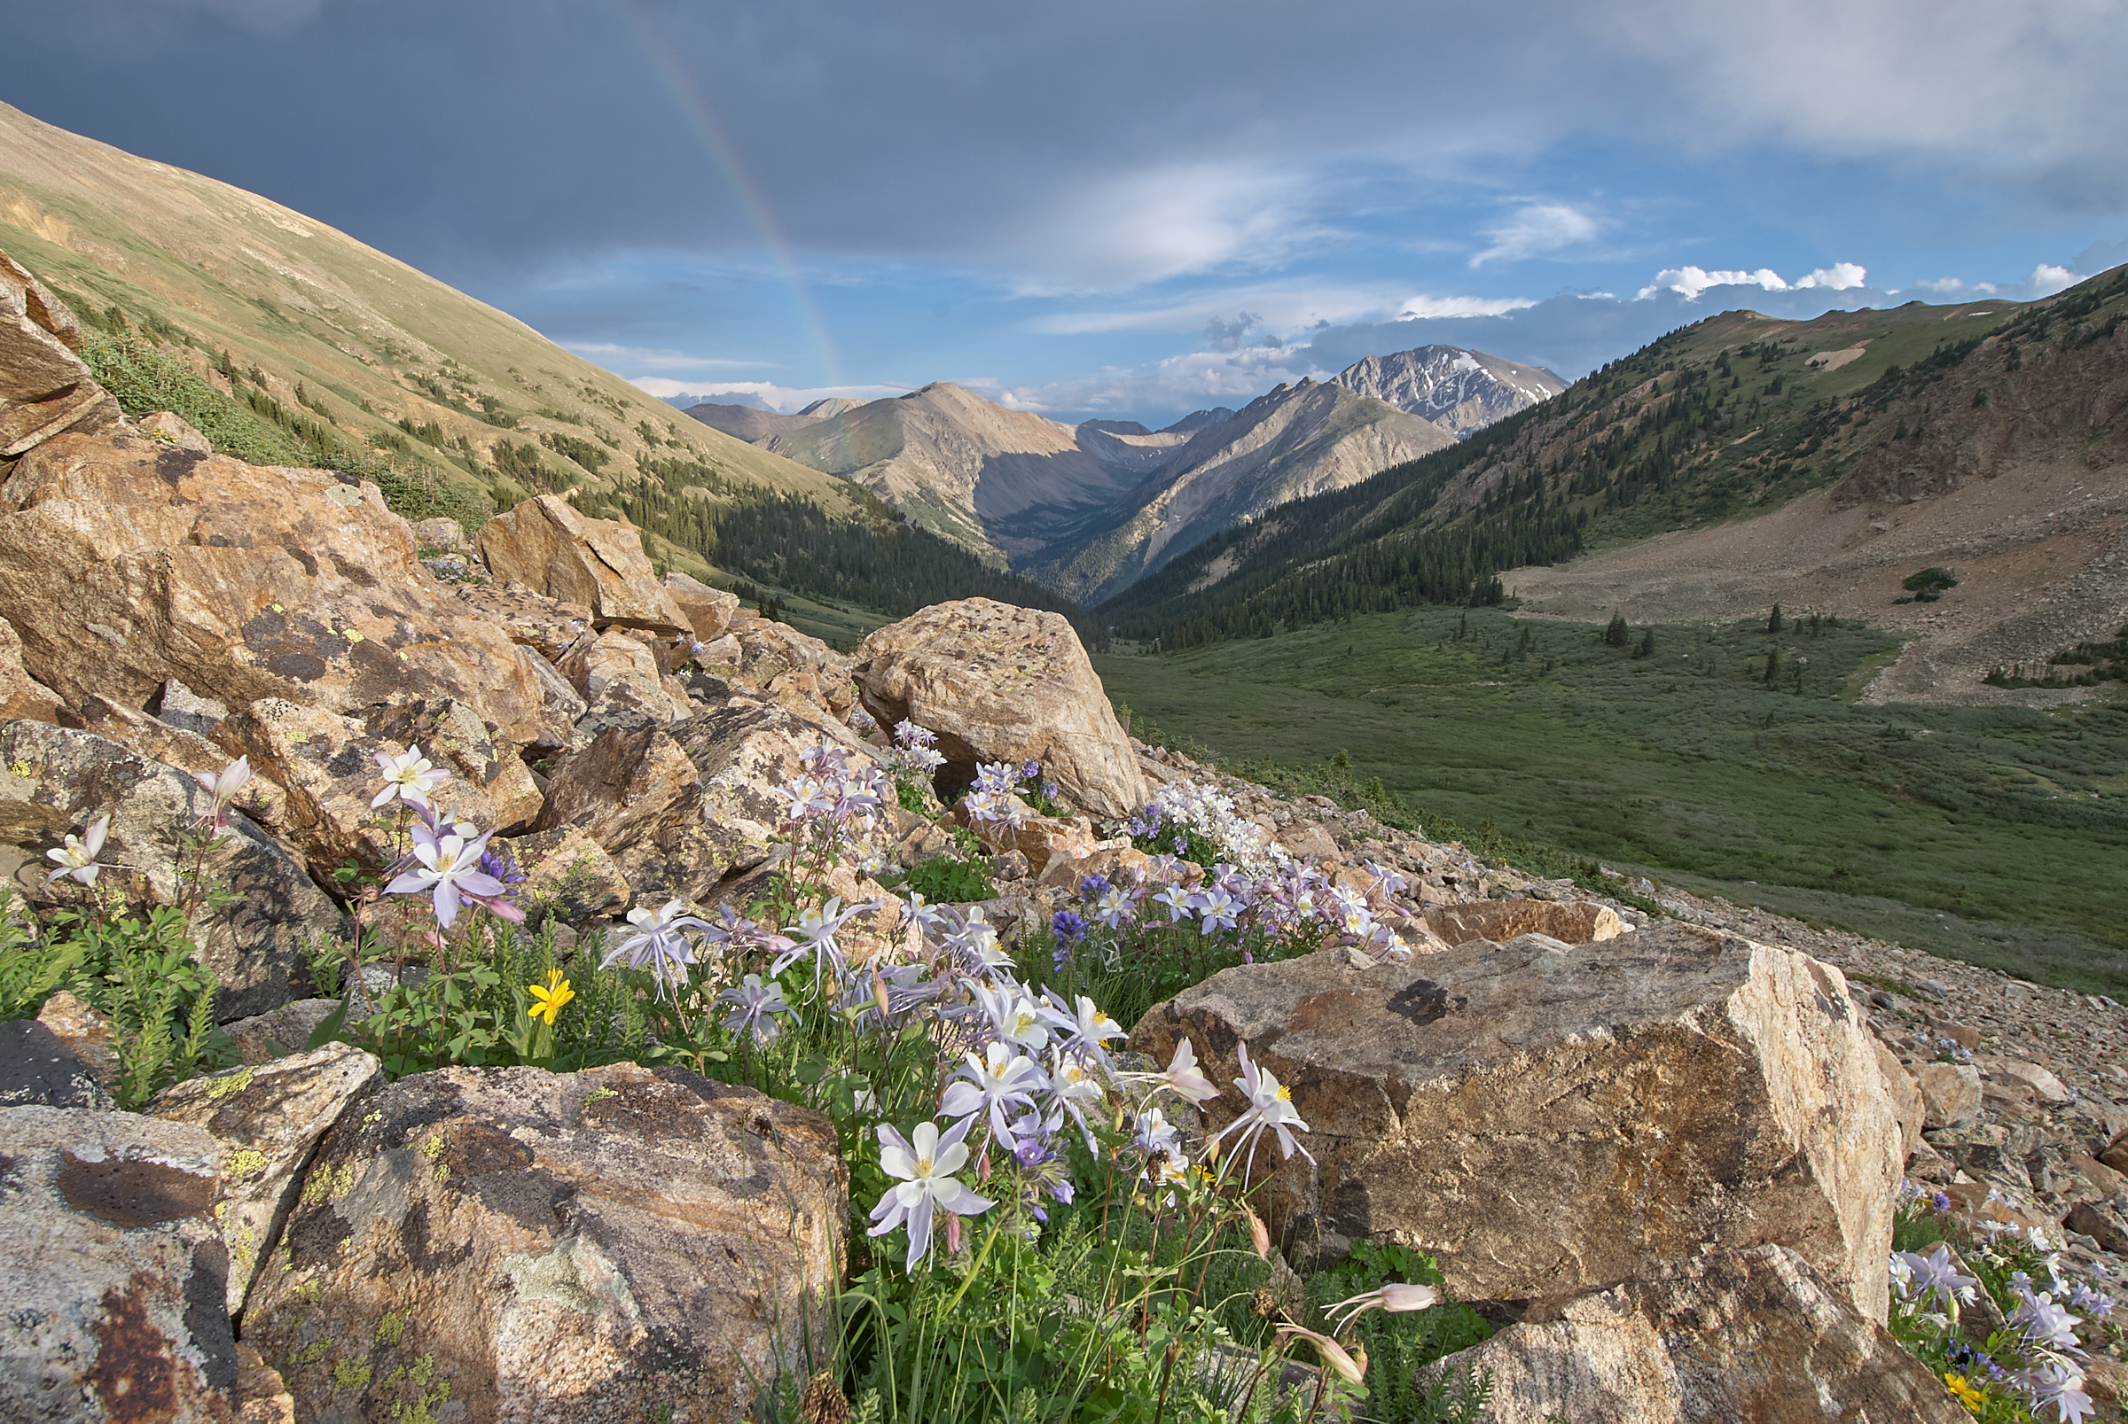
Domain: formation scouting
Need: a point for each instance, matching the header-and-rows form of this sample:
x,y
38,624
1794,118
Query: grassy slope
x,y
1966,831
361,331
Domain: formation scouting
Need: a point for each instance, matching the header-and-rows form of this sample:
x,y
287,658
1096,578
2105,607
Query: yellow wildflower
x,y
553,997
1963,1391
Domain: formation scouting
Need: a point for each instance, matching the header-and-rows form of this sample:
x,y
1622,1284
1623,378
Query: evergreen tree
x,y
1773,665
1616,634
1773,621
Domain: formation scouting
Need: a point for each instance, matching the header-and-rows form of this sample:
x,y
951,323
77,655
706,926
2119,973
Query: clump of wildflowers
x,y
77,857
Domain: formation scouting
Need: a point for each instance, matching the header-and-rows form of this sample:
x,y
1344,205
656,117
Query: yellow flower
x,y
551,998
1964,1392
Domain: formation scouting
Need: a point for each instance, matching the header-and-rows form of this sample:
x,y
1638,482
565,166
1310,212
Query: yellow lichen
x,y
599,1095
350,1374
244,1161
391,1329
222,1087
310,1354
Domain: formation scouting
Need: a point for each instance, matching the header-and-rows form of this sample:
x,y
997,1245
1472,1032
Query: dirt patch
x,y
2041,554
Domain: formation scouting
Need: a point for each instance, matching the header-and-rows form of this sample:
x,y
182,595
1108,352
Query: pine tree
x,y
1617,634
1773,622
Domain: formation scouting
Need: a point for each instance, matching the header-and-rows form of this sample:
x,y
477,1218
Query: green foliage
x,y
140,972
258,429
1967,831
590,456
1930,583
944,880
1774,622
1616,633
1400,1347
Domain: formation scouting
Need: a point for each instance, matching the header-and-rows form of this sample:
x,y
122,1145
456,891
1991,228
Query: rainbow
x,y
658,49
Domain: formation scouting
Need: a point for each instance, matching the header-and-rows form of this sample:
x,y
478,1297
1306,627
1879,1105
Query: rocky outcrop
x,y
38,1069
20,694
45,389
679,809
1753,1334
603,1245
265,1120
999,683
619,680
1569,922
112,1275
547,546
709,610
54,781
327,764
125,562
1545,1119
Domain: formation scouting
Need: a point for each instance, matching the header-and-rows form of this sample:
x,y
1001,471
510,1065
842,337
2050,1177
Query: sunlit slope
x,y
205,268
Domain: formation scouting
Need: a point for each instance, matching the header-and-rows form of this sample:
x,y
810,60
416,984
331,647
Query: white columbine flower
x,y
660,942
1182,1076
1086,1028
1270,1106
408,778
925,1169
77,857
999,1079
221,787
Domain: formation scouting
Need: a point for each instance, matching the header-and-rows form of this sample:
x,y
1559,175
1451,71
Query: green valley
x,y
1993,835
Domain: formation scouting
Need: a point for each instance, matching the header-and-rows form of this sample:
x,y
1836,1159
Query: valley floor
x,y
1988,834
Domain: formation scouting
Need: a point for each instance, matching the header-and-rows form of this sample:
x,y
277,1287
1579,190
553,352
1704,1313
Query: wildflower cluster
x,y
827,804
1209,916
1199,823
911,760
2030,1365
995,796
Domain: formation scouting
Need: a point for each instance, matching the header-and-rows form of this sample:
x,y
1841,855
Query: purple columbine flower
x,y
449,872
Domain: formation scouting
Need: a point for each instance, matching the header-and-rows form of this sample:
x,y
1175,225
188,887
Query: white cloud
x,y
1162,222
782,398
1535,229
1953,287
1839,277
2047,279
1179,383
1423,306
2021,91
1690,282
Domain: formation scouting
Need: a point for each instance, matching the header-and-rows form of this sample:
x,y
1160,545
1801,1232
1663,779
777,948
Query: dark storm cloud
x,y
1098,143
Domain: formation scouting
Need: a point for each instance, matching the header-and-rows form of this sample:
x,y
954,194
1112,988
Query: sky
x,y
1131,210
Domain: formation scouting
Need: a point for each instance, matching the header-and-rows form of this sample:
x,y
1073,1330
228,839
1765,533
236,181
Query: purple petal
x,y
446,899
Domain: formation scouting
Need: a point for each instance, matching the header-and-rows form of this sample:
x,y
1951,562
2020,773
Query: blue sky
x,y
1131,209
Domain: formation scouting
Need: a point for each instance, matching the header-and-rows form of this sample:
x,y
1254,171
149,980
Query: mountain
x,y
1737,462
968,468
1461,391
1198,419
755,424
1296,441
340,354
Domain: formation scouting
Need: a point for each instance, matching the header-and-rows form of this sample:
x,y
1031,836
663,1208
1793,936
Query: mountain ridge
x,y
1928,407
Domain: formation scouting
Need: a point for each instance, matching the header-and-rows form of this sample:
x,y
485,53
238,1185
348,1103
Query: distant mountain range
x,y
1089,508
